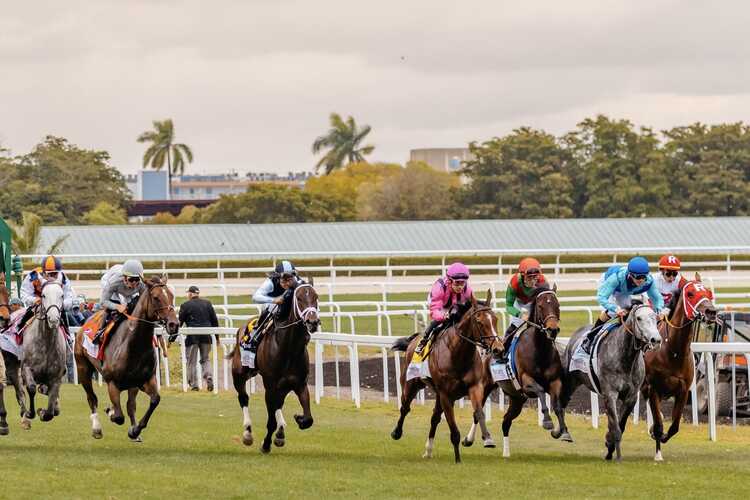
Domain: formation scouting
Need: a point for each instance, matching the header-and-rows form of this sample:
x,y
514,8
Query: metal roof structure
x,y
550,236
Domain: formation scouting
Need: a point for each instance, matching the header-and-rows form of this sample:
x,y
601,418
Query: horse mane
x,y
673,301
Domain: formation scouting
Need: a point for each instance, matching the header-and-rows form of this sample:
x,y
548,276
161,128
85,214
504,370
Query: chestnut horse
x,y
538,365
669,370
457,369
129,358
284,364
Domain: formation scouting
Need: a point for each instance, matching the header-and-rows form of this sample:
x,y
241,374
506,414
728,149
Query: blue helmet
x,y
638,265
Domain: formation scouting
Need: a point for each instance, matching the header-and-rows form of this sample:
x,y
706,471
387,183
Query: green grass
x,y
192,449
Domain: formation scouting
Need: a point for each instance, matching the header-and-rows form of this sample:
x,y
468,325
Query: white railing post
x,y
710,378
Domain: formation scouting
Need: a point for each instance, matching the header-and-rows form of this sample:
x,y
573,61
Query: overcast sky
x,y
250,84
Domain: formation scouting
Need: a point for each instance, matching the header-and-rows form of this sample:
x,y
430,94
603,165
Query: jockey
x,y
272,293
446,297
668,280
31,287
518,295
120,284
617,286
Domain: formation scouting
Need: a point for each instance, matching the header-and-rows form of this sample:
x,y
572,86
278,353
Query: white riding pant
x,y
522,307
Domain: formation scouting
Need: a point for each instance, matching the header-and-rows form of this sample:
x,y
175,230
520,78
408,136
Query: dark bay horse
x,y
283,362
669,371
129,358
620,369
457,370
538,367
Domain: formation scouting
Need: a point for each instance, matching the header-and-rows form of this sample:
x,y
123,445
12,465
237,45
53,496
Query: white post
x,y
386,388
183,360
594,410
710,377
215,352
318,372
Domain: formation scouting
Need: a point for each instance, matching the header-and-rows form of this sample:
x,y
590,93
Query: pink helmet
x,y
458,271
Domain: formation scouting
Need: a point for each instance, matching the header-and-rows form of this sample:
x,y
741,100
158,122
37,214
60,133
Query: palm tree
x,y
25,238
163,148
343,139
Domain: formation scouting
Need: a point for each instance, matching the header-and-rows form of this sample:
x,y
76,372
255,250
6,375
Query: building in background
x,y
152,185
445,159
131,182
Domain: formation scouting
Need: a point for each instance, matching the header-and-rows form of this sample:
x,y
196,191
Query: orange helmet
x,y
51,264
529,266
669,262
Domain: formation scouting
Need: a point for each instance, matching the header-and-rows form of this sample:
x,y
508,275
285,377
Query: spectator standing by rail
x,y
198,312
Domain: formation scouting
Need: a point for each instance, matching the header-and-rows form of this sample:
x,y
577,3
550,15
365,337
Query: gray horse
x,y
620,369
44,348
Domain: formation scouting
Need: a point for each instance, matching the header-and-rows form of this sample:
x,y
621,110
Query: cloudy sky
x,y
250,84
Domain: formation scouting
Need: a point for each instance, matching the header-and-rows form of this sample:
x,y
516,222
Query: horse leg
x,y
476,394
16,380
532,386
53,395
115,413
305,420
130,405
154,399
555,392
85,373
654,402
679,405
280,439
450,417
614,435
31,391
514,409
410,392
3,412
239,379
437,412
626,410
272,405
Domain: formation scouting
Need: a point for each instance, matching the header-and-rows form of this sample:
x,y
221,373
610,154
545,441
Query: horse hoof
x,y
547,425
44,416
467,443
489,443
117,420
279,442
427,454
303,422
97,434
658,457
30,415
138,439
56,412
265,449
566,437
25,424
134,432
247,438
396,434
4,431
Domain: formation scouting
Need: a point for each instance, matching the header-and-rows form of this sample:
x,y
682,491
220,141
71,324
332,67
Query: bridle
x,y
541,326
301,314
640,345
160,321
41,313
481,342
697,315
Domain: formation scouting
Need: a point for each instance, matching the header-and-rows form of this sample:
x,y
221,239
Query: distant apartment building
x,y
445,159
211,187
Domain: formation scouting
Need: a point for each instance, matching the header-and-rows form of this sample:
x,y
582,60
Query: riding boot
x,y
25,319
103,326
591,335
509,332
426,337
257,334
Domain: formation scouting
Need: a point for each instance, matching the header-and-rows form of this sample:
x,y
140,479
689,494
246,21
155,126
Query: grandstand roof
x,y
352,238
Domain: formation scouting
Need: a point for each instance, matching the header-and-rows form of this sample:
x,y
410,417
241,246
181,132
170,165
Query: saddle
x,y
91,327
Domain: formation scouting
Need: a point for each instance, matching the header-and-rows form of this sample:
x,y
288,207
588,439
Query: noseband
x,y
301,314
159,320
541,326
41,313
480,343
640,345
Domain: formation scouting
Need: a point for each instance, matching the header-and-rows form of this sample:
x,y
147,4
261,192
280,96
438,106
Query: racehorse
x,y
129,358
620,369
456,369
669,371
538,368
283,362
4,320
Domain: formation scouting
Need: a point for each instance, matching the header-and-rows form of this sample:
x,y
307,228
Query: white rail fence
x,y
222,342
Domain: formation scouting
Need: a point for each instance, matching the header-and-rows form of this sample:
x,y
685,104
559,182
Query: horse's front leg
x,y
305,420
450,417
3,412
555,392
53,396
273,403
410,390
679,405
131,405
149,388
476,395
115,412
531,386
239,379
614,435
31,391
437,412
654,403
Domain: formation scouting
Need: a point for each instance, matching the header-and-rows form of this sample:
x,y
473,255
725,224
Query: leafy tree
x,y
343,143
522,175
273,203
417,192
25,236
163,149
618,171
104,214
189,214
348,182
59,182
708,169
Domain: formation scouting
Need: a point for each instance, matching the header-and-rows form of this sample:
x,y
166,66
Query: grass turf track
x,y
192,449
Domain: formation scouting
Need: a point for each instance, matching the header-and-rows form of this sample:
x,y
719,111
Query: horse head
x,y
482,321
4,302
697,300
51,306
161,304
305,306
546,311
641,323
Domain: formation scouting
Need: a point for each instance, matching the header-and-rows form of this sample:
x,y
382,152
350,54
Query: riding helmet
x,y
51,264
638,265
458,271
670,262
529,265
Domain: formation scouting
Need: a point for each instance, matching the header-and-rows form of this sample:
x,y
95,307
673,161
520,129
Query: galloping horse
x,y
129,358
538,367
283,362
619,367
456,369
669,371
4,320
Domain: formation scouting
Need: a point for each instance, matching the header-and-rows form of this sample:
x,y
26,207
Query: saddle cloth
x,y
508,371
11,338
247,357
588,363
89,329
419,367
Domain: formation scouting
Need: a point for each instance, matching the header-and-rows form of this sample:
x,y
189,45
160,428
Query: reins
x,y
301,314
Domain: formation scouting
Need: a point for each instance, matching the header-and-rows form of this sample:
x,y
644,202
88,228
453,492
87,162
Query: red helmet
x,y
669,262
529,266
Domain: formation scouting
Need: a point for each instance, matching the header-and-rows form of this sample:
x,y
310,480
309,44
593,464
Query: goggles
x,y
52,274
669,273
639,277
459,282
133,279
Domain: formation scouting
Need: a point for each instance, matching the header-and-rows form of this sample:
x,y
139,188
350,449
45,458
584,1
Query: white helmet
x,y
132,268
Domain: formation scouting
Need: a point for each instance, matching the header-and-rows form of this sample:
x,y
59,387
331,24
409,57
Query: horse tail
x,y
402,343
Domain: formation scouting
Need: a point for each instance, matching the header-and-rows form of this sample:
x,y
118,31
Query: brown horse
x,y
457,369
283,362
669,370
539,370
4,320
129,358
